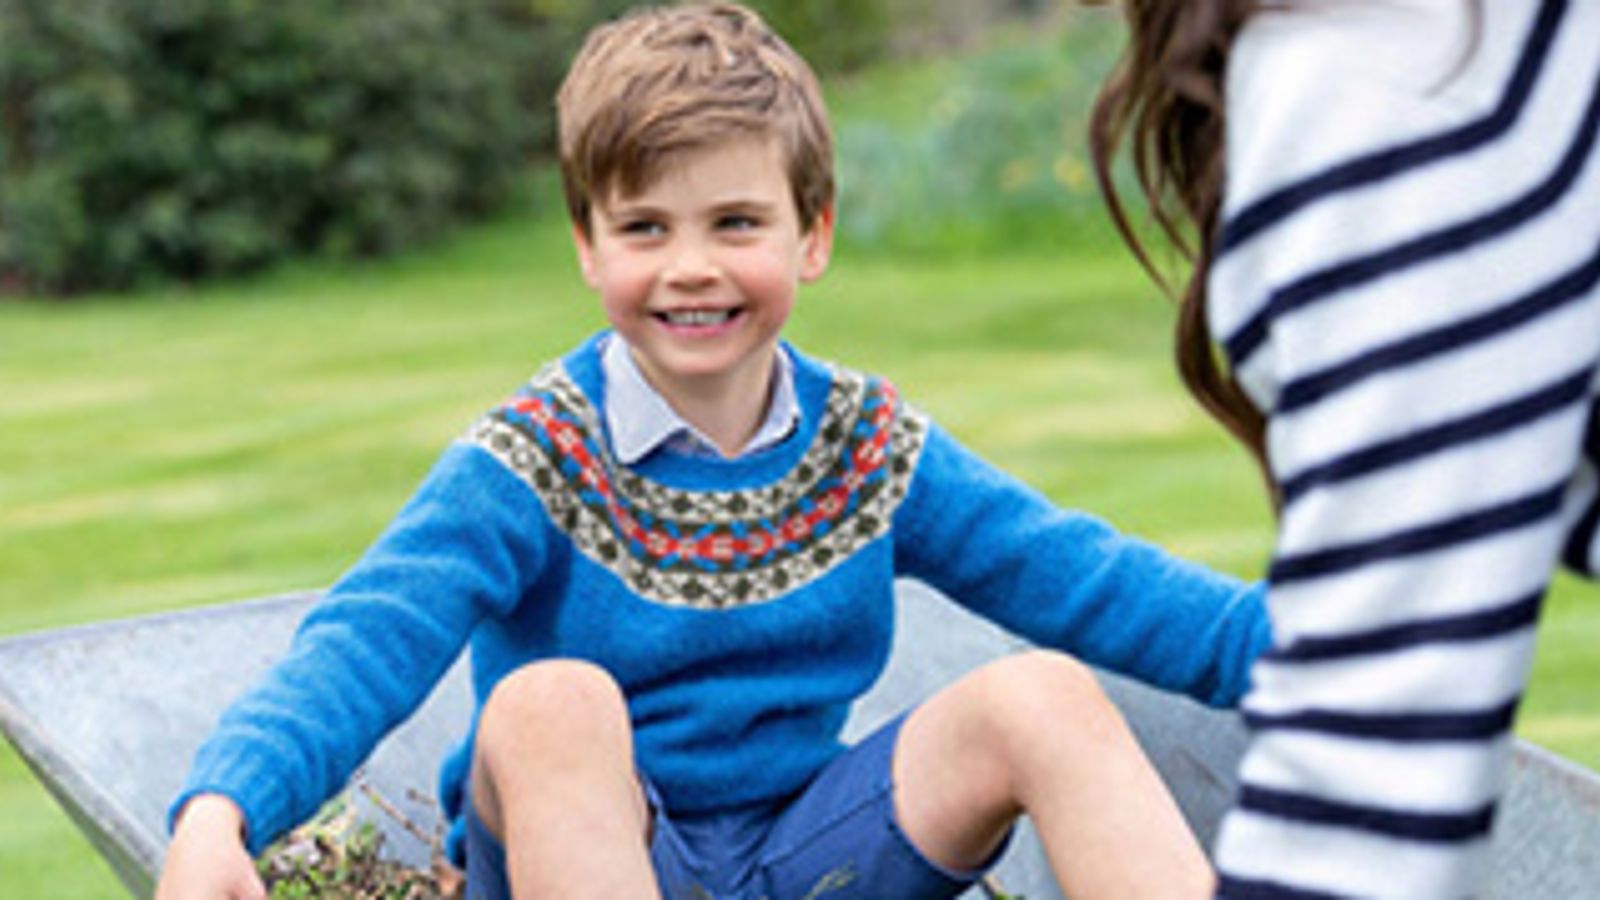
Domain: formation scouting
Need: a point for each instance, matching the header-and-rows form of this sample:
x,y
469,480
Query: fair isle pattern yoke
x,y
702,548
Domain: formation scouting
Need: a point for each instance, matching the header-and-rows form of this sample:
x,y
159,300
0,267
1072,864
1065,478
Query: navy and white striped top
x,y
1406,282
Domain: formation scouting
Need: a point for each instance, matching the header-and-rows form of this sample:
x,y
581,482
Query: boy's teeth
x,y
699,317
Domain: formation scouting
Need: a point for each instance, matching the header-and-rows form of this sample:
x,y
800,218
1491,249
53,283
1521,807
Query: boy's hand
x,y
207,859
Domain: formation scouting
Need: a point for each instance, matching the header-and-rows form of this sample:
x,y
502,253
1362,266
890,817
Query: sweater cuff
x,y
265,810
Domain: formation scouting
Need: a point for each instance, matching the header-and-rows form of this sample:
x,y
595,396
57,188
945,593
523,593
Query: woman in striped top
x,y
1394,212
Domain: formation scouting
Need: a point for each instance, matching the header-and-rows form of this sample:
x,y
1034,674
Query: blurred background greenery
x,y
185,139
270,380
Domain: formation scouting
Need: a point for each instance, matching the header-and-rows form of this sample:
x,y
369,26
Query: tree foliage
x,y
187,138
833,35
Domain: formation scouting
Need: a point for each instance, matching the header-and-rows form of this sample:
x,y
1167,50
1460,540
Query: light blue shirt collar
x,y
640,420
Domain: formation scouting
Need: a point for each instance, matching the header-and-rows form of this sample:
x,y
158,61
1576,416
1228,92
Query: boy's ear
x,y
585,247
816,246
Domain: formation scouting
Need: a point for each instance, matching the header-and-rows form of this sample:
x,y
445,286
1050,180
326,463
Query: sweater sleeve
x,y
1419,317
465,546
1067,580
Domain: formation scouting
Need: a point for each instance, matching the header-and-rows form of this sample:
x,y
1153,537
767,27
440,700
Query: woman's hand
x,y
207,859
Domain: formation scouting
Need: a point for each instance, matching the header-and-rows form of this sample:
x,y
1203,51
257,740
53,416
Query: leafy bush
x,y
995,154
924,27
842,36
833,35
185,138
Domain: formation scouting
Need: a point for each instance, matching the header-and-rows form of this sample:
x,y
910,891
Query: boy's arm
x,y
1068,580
467,545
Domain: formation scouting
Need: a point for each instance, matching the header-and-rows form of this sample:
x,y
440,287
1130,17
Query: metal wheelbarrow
x,y
108,717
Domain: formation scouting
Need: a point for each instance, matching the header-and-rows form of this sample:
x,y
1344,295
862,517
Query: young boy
x,y
673,556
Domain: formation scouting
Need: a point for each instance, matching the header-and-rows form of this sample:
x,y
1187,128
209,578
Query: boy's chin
x,y
717,365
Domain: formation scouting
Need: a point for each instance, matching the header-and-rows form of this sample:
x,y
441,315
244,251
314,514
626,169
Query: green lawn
x,y
198,446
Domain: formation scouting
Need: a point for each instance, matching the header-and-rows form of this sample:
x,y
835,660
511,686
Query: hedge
x,y
188,138
185,139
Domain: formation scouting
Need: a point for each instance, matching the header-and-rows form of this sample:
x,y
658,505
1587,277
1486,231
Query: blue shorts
x,y
836,840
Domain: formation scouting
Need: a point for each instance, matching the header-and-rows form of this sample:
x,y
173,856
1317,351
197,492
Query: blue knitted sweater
x,y
742,605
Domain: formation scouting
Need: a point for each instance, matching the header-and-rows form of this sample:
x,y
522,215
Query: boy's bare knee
x,y
1011,724
561,699
1043,677
1034,693
547,723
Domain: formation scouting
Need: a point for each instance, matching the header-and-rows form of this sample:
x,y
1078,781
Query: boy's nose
x,y
690,265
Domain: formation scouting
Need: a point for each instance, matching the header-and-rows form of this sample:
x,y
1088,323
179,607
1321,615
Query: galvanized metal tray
x,y
108,716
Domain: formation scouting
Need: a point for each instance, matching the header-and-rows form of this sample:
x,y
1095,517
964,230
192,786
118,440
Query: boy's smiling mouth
x,y
698,318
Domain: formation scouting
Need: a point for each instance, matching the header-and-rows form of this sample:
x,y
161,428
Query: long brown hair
x,y
1164,103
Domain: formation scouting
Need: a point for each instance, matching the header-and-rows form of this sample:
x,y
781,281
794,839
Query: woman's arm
x,y
1421,328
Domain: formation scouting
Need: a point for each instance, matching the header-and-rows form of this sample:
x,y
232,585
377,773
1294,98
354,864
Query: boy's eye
x,y
737,222
642,228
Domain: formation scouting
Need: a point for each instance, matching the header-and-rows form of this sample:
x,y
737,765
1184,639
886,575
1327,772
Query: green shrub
x,y
188,138
833,35
994,153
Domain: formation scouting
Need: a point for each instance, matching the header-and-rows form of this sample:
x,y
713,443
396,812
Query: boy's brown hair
x,y
661,81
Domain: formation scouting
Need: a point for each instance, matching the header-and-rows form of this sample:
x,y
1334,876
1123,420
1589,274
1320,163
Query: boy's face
x,y
698,271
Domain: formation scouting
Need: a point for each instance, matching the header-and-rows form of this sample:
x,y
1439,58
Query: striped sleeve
x,y
1407,285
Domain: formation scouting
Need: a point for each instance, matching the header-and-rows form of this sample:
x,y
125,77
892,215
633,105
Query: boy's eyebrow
x,y
744,203
627,210
755,205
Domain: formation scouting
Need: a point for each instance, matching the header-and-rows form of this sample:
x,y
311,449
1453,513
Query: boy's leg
x,y
553,779
1034,733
